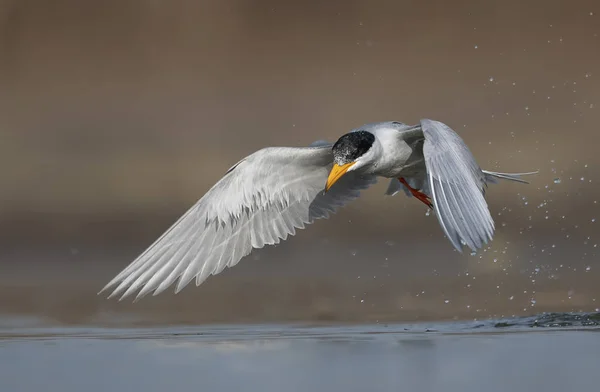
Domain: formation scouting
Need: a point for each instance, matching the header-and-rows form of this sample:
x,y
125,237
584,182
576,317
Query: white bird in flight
x,y
269,194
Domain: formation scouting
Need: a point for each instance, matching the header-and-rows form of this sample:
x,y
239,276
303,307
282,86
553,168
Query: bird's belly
x,y
398,159
408,168
413,169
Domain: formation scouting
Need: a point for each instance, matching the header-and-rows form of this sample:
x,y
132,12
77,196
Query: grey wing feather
x,y
394,187
457,187
261,200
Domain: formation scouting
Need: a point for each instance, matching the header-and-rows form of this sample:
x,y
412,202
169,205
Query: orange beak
x,y
336,173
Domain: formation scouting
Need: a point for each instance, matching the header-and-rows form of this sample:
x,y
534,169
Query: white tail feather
x,y
492,177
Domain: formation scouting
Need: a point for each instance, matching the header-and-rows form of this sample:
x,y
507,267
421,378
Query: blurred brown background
x,y
116,116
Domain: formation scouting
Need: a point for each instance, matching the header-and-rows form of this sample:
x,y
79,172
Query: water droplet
x,y
446,301
588,268
557,181
428,212
491,78
593,220
511,297
476,46
353,253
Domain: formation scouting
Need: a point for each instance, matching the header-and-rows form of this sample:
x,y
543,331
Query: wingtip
x,y
112,295
103,291
110,284
178,289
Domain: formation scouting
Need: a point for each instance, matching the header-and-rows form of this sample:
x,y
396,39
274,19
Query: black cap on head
x,y
351,146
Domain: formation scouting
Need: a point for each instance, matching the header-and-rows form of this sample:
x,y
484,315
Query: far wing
x,y
396,186
260,201
457,187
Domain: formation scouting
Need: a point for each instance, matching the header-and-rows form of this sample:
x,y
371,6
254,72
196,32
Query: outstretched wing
x,y
457,187
260,201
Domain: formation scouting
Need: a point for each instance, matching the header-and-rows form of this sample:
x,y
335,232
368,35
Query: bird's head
x,y
350,152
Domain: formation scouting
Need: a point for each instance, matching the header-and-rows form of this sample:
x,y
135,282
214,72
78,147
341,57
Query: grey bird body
x,y
269,194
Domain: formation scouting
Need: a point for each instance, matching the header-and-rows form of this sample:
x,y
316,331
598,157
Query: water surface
x,y
549,352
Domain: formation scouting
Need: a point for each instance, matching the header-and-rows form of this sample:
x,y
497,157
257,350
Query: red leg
x,y
418,194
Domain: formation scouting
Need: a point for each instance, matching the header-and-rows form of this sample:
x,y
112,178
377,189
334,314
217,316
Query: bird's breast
x,y
394,158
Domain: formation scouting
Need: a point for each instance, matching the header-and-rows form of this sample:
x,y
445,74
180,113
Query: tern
x,y
269,194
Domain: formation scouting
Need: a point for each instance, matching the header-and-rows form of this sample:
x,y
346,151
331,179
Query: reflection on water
x,y
458,357
553,320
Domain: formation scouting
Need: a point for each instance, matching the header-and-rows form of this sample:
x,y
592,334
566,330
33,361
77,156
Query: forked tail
x,y
492,177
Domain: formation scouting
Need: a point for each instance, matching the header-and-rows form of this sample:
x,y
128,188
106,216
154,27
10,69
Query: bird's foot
x,y
417,193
